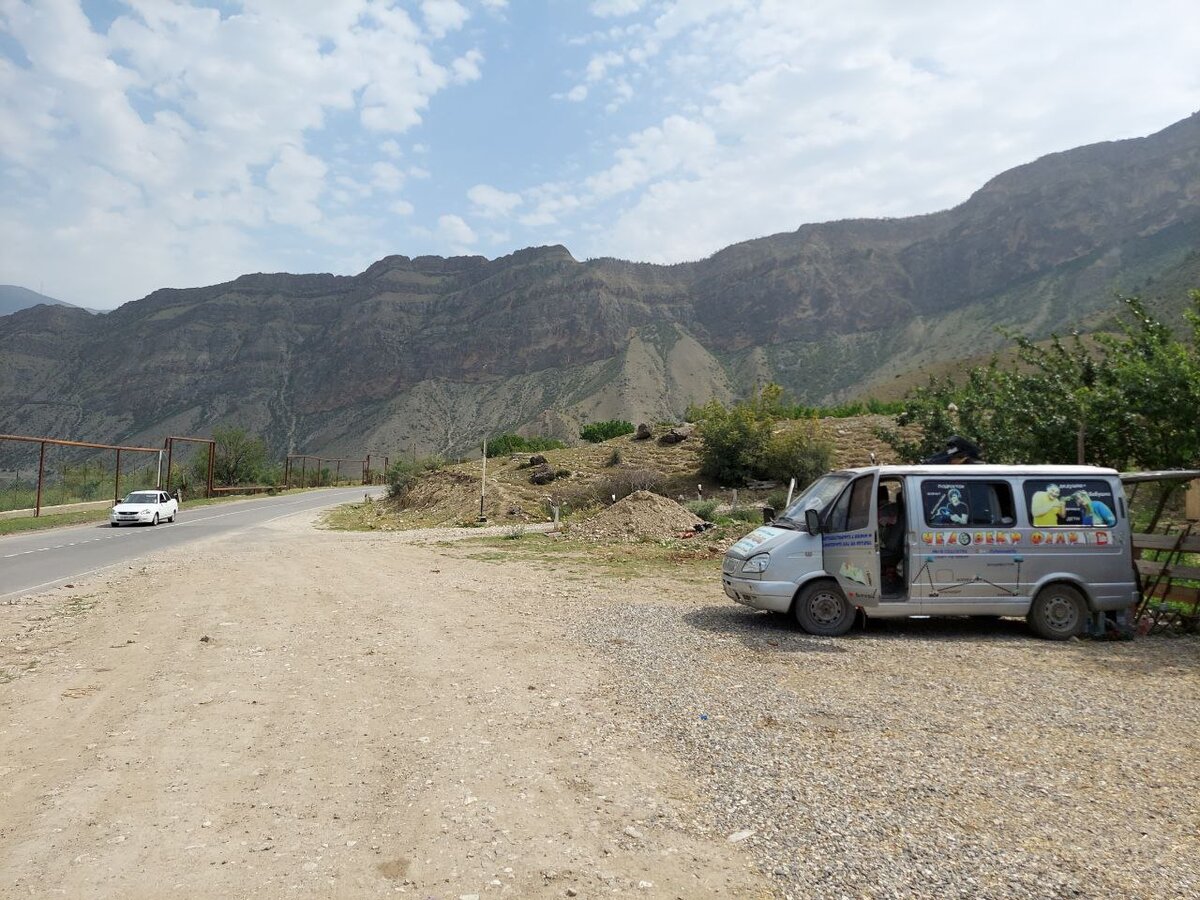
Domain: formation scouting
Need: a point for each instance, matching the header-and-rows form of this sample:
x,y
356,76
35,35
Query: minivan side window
x,y
852,511
1058,503
953,502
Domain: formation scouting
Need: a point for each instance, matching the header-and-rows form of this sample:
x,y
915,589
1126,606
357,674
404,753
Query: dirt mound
x,y
640,516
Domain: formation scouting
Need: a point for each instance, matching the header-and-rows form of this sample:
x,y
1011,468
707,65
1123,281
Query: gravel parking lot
x,y
925,758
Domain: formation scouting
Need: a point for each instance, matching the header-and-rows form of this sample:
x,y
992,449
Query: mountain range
x,y
431,354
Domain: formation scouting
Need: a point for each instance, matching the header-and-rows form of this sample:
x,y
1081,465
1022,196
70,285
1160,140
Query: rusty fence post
x,y
170,451
37,510
117,481
212,462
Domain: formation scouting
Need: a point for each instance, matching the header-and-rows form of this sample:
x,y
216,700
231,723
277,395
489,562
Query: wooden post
x,y
117,481
1191,500
170,452
212,463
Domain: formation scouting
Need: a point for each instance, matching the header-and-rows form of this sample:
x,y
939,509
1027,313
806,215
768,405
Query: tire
x,y
113,524
173,515
1059,612
822,609
155,522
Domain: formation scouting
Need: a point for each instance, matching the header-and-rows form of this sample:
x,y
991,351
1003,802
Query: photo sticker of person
x,y
1046,507
950,509
1094,513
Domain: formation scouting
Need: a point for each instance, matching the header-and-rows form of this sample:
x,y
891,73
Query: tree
x,y
1122,400
240,458
739,443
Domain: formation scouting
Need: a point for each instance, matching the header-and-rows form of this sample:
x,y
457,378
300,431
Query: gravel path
x,y
924,758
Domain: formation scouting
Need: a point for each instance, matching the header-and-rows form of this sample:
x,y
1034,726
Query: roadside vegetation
x,y
1127,399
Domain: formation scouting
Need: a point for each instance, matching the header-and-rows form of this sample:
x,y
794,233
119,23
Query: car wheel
x,y
1059,612
155,522
113,524
173,515
822,609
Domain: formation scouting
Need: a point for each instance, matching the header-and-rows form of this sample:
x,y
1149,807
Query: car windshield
x,y
142,497
816,496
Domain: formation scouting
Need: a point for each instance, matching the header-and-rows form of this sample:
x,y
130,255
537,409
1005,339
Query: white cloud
x,y
180,117
467,67
455,231
615,7
443,16
492,203
386,177
402,208
576,94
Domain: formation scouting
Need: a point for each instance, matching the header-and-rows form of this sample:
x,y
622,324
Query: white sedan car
x,y
144,506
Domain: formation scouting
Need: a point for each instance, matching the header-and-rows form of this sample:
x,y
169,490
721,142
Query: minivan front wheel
x,y
822,609
1059,612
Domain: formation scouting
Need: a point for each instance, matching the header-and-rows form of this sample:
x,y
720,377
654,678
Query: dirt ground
x,y
309,713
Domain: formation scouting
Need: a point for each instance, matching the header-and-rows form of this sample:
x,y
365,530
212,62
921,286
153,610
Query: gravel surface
x,y
924,758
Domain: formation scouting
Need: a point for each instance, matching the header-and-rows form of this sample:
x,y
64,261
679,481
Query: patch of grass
x,y
56,520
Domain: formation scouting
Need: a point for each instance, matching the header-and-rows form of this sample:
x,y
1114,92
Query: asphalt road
x,y
43,559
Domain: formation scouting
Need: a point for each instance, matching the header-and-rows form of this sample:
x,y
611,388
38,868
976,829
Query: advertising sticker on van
x,y
1070,504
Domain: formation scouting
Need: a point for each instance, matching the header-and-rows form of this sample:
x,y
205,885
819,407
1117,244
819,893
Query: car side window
x,y
852,511
950,503
1063,503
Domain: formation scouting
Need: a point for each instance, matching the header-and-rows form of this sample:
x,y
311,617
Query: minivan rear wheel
x,y
822,609
1059,612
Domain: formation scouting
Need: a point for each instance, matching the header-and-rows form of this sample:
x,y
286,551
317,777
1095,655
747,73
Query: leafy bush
x,y
703,508
402,474
802,453
739,443
603,431
1123,400
745,514
508,444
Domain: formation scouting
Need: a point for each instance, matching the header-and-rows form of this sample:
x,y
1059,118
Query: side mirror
x,y
812,521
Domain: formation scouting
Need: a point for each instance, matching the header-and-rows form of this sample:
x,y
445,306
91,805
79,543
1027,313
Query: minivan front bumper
x,y
775,596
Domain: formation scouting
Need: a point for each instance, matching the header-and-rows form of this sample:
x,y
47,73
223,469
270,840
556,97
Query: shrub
x,y
802,453
745,514
615,458
402,474
703,508
508,444
603,431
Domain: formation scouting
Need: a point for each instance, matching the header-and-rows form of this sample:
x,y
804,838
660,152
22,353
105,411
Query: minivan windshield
x,y
817,495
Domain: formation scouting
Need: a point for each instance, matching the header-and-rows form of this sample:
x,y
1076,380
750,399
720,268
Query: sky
x,y
164,143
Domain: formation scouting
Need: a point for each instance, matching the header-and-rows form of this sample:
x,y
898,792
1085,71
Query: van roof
x,y
975,470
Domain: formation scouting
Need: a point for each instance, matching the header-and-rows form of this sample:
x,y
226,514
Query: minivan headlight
x,y
757,564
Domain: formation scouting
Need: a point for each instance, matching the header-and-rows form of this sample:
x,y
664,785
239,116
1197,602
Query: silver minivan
x,y
1051,543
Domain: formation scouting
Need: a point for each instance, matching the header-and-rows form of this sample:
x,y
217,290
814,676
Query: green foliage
x,y
802,453
403,473
736,438
739,443
508,444
240,458
745,514
703,508
603,431
871,406
1128,400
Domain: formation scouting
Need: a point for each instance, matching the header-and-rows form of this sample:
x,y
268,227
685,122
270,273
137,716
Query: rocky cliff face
x,y
429,354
